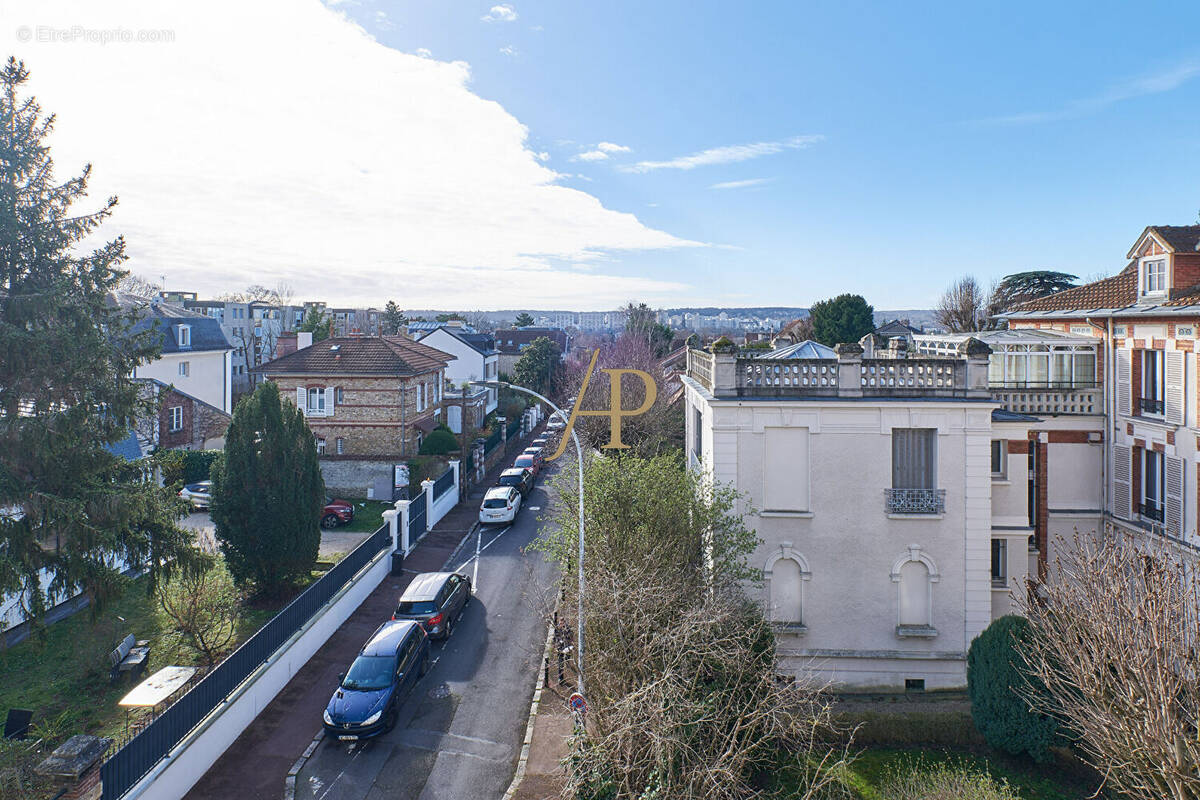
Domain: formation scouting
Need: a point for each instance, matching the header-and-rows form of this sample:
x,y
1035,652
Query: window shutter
x,y
914,454
302,400
1122,497
1174,399
329,396
1125,388
1174,496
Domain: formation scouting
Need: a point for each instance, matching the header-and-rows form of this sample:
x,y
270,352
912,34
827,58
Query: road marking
x,y
535,508
338,777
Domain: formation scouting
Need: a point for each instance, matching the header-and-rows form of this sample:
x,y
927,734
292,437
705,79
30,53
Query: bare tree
x,y
138,286
963,307
1115,645
205,607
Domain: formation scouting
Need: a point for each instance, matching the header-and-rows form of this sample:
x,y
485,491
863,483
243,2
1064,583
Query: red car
x,y
336,512
530,462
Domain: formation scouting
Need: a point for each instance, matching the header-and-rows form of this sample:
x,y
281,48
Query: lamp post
x,y
578,452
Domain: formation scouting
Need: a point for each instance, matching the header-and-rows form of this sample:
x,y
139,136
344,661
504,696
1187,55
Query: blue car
x,y
368,698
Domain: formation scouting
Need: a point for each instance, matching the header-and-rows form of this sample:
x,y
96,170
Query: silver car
x,y
436,600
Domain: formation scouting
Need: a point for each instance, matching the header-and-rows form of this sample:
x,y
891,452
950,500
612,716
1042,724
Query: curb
x,y
523,761
289,783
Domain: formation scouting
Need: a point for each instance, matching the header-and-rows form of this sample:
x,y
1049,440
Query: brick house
x,y
365,397
183,422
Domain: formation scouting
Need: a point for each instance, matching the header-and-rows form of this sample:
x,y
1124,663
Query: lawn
x,y
873,768
63,671
368,515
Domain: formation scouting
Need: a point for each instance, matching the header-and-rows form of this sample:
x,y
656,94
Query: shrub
x,y
923,781
197,464
439,442
995,672
171,464
204,606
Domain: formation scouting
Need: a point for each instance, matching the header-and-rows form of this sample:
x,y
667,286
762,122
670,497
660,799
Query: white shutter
x,y
1174,494
1124,383
329,395
1122,496
302,400
1174,399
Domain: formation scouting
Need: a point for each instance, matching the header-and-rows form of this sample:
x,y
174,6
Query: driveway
x,y
460,731
333,542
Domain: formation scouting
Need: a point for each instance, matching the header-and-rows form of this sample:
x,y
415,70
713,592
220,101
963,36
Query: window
x,y
914,458
176,418
999,563
1153,478
339,396
185,335
1151,400
320,447
697,432
1154,276
421,397
185,368
316,400
999,458
340,444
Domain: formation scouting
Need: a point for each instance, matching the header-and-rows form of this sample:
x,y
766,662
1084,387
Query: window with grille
x,y
1151,401
340,444
1153,480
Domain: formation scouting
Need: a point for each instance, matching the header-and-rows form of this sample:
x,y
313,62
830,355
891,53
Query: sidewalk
x,y
551,732
257,763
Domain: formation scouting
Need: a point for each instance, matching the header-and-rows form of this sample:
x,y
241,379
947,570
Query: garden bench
x,y
130,655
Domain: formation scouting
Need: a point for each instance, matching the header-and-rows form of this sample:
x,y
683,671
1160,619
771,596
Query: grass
x,y
62,671
368,516
872,769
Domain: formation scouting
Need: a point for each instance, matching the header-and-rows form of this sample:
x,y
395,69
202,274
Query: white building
x,y
896,500
196,357
476,358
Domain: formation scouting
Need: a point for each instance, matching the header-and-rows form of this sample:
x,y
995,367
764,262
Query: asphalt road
x,y
460,730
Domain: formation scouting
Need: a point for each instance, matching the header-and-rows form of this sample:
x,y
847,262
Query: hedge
x,y
186,466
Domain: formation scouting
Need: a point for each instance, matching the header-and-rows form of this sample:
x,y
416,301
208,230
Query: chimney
x,y
303,340
286,344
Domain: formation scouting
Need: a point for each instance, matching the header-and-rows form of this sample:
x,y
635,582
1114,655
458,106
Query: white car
x,y
500,504
198,494
555,424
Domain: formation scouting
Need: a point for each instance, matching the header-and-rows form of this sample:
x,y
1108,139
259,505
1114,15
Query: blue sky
x,y
919,176
429,151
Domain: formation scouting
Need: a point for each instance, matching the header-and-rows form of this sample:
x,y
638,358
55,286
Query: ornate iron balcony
x,y
915,501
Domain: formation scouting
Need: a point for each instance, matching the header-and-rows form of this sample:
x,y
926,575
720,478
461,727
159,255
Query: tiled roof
x,y
1181,238
360,355
206,333
1116,292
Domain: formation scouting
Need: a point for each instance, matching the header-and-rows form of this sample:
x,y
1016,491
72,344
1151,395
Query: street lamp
x,y
579,452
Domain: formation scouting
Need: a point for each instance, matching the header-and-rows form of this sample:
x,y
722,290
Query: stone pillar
x,y
503,423
978,356
455,465
724,374
427,487
74,766
389,516
401,540
849,357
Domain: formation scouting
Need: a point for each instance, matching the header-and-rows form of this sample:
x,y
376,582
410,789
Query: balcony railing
x,y
813,377
1032,400
1150,405
915,501
1151,511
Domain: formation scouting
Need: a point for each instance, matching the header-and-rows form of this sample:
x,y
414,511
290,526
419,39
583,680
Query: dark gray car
x,y
436,600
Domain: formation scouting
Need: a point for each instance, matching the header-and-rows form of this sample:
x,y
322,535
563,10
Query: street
x,y
461,729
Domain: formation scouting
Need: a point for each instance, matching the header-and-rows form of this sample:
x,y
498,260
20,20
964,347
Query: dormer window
x,y
1154,276
184,336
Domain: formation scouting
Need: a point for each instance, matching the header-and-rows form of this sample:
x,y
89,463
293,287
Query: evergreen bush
x,y
439,443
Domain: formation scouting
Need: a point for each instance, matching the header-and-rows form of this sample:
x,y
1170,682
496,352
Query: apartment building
x,y
901,498
1144,322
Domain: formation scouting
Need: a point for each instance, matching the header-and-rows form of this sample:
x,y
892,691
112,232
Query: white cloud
x,y
591,155
500,13
424,52
600,152
384,178
508,50
1157,83
383,22
609,147
542,156
728,154
741,184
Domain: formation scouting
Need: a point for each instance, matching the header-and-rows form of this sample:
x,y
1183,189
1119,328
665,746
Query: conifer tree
x,y
268,493
67,353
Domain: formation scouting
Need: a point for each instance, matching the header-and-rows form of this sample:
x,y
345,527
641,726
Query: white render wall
x,y
848,541
468,363
208,376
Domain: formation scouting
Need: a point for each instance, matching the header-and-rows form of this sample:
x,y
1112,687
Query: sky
x,y
579,155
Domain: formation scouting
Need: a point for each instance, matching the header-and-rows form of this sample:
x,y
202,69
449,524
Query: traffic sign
x,y
577,703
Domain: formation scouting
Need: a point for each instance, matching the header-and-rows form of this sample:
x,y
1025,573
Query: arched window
x,y
914,574
783,579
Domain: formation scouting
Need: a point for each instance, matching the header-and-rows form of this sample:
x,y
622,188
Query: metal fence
x,y
514,427
416,518
130,763
493,441
443,484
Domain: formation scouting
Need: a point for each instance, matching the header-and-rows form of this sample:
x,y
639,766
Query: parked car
x,y
369,694
532,450
530,462
518,477
436,600
198,494
541,441
500,504
555,424
336,512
